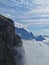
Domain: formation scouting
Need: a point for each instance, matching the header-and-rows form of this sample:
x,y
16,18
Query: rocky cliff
x,y
10,43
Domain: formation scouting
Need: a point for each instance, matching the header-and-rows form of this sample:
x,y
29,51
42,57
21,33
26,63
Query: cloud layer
x,y
32,14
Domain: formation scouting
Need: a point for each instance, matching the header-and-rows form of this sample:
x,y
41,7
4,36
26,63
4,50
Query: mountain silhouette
x,y
24,34
40,38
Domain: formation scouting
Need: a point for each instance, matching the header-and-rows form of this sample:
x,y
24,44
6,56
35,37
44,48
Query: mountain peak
x,y
40,38
28,35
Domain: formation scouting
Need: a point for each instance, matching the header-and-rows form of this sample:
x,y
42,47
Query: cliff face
x,y
10,43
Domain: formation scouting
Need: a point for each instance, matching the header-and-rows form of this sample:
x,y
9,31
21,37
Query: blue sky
x,y
33,15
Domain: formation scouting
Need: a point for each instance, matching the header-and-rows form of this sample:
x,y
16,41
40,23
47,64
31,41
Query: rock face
x,y
24,34
40,38
28,35
9,43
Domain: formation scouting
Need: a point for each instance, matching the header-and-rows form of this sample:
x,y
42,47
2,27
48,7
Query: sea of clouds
x,y
36,52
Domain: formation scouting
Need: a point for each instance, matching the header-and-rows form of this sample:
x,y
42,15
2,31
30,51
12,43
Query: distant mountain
x,y
27,35
32,36
24,34
45,36
40,38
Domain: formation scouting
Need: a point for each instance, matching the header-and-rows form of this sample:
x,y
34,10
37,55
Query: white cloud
x,y
30,12
37,21
46,30
41,7
41,1
37,53
19,25
19,2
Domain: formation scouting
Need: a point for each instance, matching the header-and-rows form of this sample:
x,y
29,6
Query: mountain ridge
x,y
24,34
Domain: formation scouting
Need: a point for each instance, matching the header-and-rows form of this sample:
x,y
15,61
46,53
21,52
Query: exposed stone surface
x,y
9,43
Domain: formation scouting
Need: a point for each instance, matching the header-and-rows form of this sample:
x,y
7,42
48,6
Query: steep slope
x,y
11,49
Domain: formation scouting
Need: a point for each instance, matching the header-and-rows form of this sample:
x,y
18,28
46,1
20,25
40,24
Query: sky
x,y
33,15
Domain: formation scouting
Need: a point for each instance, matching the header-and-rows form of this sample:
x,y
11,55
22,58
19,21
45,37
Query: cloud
x,y
46,30
19,25
31,14
19,2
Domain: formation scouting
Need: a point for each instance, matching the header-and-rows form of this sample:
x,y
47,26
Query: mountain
x,y
32,36
24,33
27,35
11,48
40,38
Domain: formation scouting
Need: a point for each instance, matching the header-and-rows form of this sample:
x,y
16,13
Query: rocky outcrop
x,y
10,43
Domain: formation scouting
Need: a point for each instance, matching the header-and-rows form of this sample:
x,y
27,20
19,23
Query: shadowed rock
x,y
10,43
40,38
